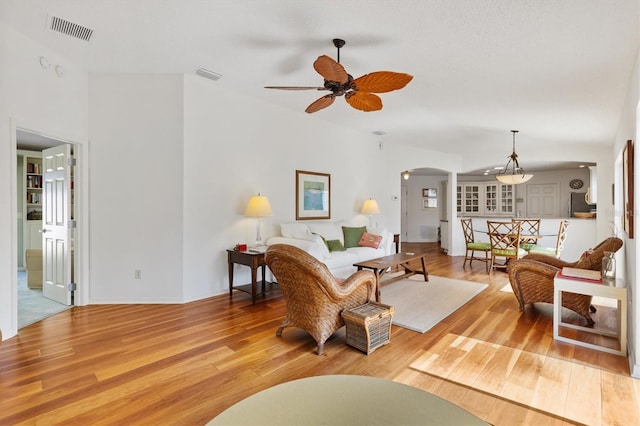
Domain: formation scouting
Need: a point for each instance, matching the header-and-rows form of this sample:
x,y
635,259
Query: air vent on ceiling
x,y
69,28
211,75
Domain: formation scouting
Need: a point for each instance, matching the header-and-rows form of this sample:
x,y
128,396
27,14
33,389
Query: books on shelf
x,y
580,274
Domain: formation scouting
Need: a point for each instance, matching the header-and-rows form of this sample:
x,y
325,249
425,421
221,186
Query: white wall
x,y
32,98
630,256
136,180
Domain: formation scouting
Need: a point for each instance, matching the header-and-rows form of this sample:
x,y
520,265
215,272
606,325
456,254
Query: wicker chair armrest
x,y
338,290
526,264
549,260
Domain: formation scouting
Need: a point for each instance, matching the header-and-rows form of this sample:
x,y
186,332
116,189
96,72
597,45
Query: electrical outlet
x,y
137,274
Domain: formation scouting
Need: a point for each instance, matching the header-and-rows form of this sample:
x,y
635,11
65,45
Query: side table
x,y
614,290
253,261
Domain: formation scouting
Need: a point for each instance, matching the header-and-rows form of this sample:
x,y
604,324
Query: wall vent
x,y
211,75
69,28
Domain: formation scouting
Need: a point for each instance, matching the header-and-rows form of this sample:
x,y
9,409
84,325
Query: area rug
x,y
419,305
573,391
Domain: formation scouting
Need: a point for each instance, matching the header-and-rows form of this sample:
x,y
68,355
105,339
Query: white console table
x,y
612,290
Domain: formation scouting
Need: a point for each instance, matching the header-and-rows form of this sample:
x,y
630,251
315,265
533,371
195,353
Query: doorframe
x,y
81,240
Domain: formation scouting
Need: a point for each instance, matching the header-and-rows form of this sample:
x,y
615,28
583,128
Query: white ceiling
x,y
556,70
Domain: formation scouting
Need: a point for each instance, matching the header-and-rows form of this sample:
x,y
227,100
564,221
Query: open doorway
x,y
423,205
37,263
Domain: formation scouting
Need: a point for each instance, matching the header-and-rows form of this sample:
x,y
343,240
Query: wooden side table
x,y
253,261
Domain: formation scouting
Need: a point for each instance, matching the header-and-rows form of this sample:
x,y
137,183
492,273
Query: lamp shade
x,y
370,207
513,179
258,207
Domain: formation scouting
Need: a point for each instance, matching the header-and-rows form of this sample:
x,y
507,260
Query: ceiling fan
x,y
359,92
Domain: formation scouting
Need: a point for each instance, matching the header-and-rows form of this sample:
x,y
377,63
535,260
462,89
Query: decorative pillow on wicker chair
x,y
370,240
586,254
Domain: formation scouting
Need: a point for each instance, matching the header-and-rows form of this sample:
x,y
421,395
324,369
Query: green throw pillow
x,y
335,245
352,235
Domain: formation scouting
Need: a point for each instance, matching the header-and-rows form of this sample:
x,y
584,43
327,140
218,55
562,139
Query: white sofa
x,y
309,237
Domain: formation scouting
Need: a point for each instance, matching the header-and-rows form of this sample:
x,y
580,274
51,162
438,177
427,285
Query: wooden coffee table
x,y
381,265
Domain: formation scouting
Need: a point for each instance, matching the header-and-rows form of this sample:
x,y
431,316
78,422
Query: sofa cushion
x,y
294,230
353,235
329,230
366,253
312,245
335,245
342,259
370,240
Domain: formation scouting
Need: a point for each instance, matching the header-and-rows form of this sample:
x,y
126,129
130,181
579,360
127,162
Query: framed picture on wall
x,y
429,192
429,203
313,195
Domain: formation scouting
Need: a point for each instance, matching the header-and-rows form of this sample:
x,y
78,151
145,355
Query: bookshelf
x,y
30,182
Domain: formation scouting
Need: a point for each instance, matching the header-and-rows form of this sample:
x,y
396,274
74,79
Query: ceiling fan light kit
x,y
517,175
359,92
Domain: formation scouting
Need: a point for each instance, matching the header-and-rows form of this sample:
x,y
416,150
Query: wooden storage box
x,y
368,326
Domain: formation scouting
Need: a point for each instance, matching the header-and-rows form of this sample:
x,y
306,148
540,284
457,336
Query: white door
x,y
56,233
542,200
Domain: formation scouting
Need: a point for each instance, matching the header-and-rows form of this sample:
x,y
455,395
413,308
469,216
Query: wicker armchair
x,y
314,297
532,277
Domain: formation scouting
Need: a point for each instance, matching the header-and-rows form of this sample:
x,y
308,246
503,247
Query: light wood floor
x,y
183,364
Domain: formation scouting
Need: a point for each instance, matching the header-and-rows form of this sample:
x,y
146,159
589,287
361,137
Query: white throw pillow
x,y
292,230
329,230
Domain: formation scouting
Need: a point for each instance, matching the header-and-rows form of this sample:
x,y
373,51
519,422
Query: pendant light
x,y
516,174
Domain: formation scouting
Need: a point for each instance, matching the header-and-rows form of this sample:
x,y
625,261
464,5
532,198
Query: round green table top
x,y
344,400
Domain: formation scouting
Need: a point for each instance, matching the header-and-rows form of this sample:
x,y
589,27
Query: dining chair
x,y
528,227
553,251
473,246
505,242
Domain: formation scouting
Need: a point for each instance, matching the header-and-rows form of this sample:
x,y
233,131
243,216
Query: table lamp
x,y
370,207
258,207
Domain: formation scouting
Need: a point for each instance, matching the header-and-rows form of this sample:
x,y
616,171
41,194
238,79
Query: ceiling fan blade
x,y
382,81
330,69
364,101
321,103
295,87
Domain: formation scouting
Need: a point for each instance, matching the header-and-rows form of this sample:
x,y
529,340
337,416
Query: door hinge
x,y
71,161
72,223
71,287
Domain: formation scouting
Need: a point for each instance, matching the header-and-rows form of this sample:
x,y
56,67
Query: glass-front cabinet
x,y
507,197
491,198
485,199
471,199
